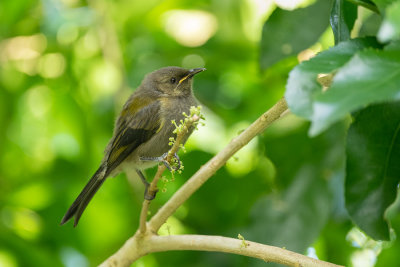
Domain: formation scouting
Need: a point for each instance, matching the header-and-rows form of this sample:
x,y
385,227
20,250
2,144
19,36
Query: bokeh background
x,y
66,68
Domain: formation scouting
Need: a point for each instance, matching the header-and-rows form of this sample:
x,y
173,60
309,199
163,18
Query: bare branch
x,y
207,170
137,247
143,216
146,240
190,121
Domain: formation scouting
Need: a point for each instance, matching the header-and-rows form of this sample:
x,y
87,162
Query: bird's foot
x,y
148,195
163,159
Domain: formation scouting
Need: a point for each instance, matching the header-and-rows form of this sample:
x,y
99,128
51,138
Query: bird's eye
x,y
173,80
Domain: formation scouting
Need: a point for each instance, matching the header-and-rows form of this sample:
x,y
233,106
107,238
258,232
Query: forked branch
x,y
181,131
146,240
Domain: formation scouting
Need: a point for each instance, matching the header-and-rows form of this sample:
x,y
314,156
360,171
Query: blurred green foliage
x,y
66,68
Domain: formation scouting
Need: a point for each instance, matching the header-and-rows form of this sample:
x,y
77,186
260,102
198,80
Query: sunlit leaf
x,y
302,86
355,85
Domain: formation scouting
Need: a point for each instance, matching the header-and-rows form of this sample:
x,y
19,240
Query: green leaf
x,y
369,77
370,26
286,33
390,27
373,169
298,209
294,218
382,4
343,16
302,86
394,45
366,3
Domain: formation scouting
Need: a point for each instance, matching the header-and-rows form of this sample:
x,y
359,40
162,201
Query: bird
x,y
142,130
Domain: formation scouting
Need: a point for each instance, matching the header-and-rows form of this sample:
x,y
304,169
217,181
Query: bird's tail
x,y
84,197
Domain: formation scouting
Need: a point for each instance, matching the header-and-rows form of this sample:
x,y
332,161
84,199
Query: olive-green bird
x,y
142,130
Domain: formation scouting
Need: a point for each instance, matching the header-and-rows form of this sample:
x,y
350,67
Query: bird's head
x,y
173,81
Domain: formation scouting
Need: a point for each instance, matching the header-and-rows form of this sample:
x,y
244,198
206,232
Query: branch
x,y
137,247
207,170
146,241
190,121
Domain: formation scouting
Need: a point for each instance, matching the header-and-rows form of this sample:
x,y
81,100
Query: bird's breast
x,y
171,109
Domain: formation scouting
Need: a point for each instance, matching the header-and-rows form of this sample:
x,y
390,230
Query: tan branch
x,y
137,247
207,170
235,246
146,241
189,122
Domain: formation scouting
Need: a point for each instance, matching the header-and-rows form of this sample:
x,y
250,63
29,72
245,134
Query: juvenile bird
x,y
142,130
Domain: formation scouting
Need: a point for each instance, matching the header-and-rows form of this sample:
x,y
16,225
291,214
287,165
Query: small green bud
x,y
244,244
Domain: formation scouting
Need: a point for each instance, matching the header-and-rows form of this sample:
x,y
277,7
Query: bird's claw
x,y
149,195
174,167
178,161
163,159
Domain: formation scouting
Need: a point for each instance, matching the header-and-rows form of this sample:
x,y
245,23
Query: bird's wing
x,y
132,131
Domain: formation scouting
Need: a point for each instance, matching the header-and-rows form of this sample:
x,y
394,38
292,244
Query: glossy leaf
x,y
286,33
302,86
373,169
355,85
343,16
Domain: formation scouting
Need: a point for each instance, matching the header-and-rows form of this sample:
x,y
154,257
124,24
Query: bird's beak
x,y
191,73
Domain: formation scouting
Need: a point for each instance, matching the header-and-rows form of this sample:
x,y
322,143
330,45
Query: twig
x,y
145,242
135,248
189,122
143,216
207,170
